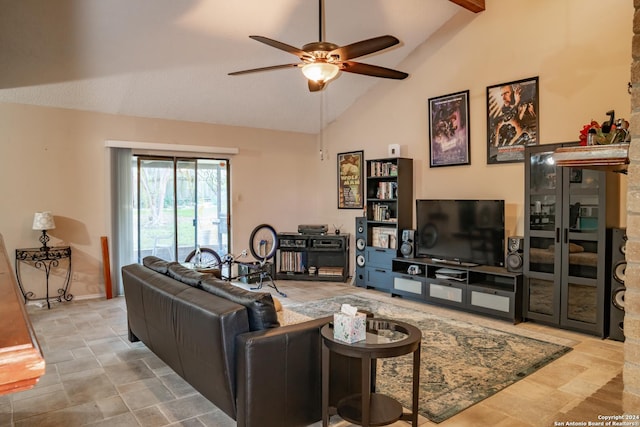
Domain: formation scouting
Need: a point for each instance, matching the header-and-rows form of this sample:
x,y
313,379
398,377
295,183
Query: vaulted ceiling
x,y
170,59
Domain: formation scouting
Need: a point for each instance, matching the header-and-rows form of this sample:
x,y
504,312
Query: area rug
x,y
461,363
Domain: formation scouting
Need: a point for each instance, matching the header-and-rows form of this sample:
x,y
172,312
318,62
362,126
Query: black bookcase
x,y
389,198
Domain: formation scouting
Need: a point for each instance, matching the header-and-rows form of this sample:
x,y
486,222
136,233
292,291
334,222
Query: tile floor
x,y
96,377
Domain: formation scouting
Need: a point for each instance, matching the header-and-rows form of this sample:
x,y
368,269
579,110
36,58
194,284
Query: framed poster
x,y
351,180
512,120
449,130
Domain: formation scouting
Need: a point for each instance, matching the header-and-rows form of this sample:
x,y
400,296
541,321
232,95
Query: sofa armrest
x,y
279,381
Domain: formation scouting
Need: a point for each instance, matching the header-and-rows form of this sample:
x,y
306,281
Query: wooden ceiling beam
x,y
472,5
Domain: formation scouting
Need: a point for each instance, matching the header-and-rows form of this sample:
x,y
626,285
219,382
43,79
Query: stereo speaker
x,y
618,245
515,249
407,248
361,244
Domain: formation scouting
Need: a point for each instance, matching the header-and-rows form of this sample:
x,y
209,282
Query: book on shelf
x,y
383,213
387,190
384,237
383,240
291,262
380,168
330,271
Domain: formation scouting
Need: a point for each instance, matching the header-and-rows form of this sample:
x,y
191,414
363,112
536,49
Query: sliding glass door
x,y
180,203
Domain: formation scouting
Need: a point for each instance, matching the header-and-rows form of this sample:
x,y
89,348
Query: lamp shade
x,y
43,221
320,71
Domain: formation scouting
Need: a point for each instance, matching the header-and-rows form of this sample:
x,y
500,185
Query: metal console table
x,y
45,259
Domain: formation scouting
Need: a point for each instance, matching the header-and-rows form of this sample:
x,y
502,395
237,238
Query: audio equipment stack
x,y
313,228
618,239
361,244
515,249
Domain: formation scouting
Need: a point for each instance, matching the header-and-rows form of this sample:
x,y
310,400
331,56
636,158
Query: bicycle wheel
x,y
208,258
263,242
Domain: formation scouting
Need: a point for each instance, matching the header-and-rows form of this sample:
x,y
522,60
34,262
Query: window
x,y
179,203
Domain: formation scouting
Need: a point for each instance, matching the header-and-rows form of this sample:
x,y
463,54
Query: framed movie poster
x,y
512,120
449,130
351,180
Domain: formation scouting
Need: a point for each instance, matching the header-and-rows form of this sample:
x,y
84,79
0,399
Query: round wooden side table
x,y
385,338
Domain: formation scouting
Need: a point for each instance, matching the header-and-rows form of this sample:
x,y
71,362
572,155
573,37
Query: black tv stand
x,y
453,262
481,289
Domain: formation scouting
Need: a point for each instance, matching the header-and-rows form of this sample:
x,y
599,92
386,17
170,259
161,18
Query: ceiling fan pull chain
x,y
321,21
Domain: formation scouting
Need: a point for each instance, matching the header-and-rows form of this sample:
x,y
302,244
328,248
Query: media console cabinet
x,y
487,290
321,257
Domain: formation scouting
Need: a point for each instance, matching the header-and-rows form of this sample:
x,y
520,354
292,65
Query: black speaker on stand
x,y
515,249
361,244
617,249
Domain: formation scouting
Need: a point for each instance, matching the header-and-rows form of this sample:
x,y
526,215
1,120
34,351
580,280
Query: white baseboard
x,y
53,300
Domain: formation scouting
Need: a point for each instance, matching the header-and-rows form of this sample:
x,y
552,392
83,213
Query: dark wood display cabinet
x,y
390,200
567,212
487,290
312,257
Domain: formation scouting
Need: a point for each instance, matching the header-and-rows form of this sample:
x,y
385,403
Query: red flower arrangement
x,y
607,133
585,131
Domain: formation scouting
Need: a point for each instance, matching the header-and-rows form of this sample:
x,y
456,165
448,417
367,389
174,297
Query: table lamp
x,y
43,221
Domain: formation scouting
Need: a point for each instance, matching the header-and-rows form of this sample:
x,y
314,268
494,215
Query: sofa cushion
x,y
184,274
156,264
260,307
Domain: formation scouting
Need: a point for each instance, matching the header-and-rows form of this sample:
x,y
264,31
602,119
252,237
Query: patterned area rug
x,y
462,363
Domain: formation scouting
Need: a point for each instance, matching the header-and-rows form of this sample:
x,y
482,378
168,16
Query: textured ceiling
x,y
170,58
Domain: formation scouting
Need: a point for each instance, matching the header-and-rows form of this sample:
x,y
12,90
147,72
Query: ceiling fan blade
x,y
364,47
273,67
315,86
372,70
282,46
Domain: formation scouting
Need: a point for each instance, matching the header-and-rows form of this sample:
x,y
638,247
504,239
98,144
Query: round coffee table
x,y
385,338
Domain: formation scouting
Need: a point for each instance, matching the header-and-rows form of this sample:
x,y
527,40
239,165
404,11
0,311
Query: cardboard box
x,y
349,329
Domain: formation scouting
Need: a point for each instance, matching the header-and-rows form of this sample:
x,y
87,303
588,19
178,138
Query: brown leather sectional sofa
x,y
227,343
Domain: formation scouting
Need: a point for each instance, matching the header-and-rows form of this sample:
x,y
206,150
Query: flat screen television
x,y
466,232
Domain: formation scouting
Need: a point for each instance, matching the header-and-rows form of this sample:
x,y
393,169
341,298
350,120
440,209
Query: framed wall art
x,y
449,130
512,120
351,180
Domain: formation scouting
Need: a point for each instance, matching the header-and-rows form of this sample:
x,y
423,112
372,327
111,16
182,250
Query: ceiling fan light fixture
x,y
320,71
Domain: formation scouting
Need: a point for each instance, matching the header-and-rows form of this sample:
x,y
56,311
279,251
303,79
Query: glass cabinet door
x,y
584,227
543,213
543,251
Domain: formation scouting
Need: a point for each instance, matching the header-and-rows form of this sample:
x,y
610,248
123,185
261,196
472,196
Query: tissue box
x,y
348,328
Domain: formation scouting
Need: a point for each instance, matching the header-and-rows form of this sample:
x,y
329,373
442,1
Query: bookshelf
x,y
312,257
389,202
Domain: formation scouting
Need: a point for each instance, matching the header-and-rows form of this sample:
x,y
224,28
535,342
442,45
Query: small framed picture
x,y
512,120
575,175
351,180
449,130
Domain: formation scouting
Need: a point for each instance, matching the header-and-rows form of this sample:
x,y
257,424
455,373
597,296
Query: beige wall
x,y
580,49
55,159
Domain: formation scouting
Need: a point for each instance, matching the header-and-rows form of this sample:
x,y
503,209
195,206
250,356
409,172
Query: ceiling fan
x,y
322,61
